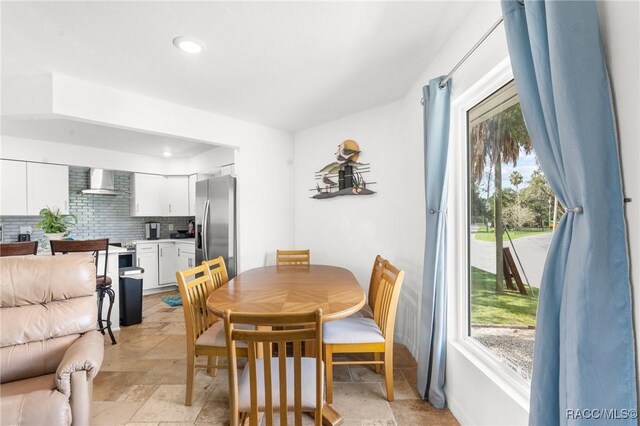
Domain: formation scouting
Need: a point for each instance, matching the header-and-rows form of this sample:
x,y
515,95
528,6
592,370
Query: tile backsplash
x,y
99,216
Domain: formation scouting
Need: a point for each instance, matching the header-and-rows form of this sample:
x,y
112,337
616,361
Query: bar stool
x,y
19,249
103,282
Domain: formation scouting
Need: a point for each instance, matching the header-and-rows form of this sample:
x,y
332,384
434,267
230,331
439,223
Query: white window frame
x,y
458,265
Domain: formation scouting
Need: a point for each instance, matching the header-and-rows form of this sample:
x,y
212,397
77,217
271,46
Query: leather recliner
x,y
50,350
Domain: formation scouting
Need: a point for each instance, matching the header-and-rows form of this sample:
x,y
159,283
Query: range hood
x,y
102,183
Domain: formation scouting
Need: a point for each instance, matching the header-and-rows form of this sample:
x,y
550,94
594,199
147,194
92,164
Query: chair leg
x,y
377,356
388,372
100,302
212,362
328,366
191,372
112,298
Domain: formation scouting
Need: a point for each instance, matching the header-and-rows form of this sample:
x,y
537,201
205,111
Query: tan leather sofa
x,y
50,350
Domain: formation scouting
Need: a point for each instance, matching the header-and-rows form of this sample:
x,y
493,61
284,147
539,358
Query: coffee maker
x,y
152,230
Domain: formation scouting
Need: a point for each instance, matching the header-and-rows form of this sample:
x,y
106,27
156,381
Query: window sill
x,y
513,385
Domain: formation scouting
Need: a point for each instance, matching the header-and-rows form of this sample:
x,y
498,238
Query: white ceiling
x,y
97,136
289,65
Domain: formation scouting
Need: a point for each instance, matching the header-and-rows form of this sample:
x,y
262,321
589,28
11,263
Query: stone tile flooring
x,y
142,381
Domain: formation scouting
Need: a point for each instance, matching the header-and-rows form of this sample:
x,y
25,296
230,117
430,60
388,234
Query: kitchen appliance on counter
x,y
152,230
180,234
216,221
24,237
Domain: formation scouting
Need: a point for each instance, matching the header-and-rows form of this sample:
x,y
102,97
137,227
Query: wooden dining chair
x,y
205,332
217,271
103,281
18,249
367,335
293,257
275,382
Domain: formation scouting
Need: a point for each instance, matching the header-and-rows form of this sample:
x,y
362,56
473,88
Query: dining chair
x,y
205,332
293,257
18,249
275,382
103,282
367,335
217,271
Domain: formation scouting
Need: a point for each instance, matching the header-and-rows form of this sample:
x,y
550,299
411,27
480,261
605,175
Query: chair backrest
x,y
217,271
376,274
83,246
269,340
293,257
195,286
18,249
387,296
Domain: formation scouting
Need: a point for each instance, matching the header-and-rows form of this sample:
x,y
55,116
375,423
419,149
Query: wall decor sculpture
x,y
343,176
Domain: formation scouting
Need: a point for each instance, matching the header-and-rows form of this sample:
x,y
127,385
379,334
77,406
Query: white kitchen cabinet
x,y
167,263
147,258
186,256
47,186
149,195
13,188
178,195
192,194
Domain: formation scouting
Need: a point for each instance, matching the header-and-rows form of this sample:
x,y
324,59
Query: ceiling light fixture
x,y
167,154
188,44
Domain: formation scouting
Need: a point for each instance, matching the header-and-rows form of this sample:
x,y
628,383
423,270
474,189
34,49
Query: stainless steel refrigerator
x,y
216,221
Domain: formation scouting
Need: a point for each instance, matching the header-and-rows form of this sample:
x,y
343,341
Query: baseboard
x,y
458,412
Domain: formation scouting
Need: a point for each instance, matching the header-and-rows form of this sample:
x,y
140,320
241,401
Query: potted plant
x,y
55,224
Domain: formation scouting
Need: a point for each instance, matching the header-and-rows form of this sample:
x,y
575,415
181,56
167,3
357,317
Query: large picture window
x,y
512,213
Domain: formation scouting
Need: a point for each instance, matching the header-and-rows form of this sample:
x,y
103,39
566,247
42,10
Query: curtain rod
x,y
486,35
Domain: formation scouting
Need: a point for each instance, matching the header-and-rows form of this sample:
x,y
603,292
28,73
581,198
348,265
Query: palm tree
x,y
495,141
516,179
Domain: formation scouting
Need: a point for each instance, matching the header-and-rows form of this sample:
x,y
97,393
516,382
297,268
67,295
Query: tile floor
x,y
142,381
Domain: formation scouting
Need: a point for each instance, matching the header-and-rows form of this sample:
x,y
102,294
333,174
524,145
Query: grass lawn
x,y
482,235
509,307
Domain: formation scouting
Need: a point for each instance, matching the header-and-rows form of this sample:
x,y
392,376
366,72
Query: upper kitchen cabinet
x,y
13,188
47,186
192,194
178,195
149,195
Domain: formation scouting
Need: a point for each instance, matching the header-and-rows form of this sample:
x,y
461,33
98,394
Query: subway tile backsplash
x,y
99,216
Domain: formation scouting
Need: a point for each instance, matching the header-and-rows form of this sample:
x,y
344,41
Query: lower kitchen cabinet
x,y
167,266
186,256
147,258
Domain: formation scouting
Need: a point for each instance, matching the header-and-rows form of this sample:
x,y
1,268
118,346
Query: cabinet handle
x,y
169,208
160,252
178,251
138,261
137,208
65,205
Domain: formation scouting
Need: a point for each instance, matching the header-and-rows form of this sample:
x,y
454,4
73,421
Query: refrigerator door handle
x,y
205,236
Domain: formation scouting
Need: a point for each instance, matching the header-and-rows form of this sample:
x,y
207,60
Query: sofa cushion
x,y
40,407
46,382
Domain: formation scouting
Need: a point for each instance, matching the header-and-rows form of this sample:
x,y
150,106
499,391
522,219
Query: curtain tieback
x,y
432,211
576,210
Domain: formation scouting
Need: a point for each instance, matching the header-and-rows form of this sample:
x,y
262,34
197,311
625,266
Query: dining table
x,y
289,289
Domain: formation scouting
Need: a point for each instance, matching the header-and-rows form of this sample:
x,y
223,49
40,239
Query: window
x,y
511,214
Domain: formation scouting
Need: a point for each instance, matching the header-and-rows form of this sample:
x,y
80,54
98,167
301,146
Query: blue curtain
x,y
584,346
433,317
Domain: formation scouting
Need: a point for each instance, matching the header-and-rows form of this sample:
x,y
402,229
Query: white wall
x,y
263,159
345,231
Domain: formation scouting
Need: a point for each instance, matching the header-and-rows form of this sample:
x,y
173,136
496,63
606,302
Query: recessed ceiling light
x,y
167,154
188,44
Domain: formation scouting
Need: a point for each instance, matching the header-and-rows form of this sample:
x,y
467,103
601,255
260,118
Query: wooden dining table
x,y
289,289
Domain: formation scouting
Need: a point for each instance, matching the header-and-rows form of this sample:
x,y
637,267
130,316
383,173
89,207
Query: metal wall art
x,y
343,176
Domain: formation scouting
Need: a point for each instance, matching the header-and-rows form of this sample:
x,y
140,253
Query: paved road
x,y
532,251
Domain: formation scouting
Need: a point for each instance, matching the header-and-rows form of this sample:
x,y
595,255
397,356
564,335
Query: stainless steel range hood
x,y
102,183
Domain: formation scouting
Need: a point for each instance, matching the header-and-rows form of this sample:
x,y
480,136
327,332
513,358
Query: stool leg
x,y
112,297
100,300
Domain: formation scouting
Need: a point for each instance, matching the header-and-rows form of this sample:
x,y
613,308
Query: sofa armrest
x,y
41,407
85,354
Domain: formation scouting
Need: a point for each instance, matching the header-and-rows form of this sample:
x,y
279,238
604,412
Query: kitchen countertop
x,y
166,240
